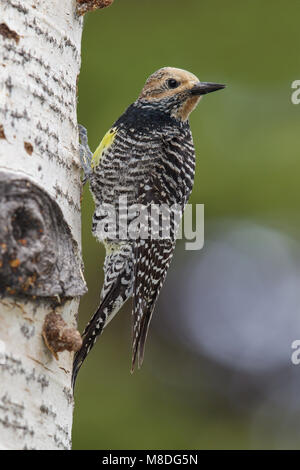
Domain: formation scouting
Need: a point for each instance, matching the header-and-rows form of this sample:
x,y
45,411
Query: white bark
x,y
39,65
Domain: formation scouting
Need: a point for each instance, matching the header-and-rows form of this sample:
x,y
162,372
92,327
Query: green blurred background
x,y
247,146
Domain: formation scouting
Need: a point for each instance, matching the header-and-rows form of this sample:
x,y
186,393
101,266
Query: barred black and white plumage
x,y
146,158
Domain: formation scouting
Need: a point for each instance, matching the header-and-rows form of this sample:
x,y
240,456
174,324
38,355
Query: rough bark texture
x,y
40,259
38,255
84,6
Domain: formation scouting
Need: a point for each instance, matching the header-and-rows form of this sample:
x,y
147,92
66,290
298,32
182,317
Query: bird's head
x,y
175,91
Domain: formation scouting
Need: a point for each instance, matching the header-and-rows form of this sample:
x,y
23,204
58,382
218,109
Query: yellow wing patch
x,y
104,145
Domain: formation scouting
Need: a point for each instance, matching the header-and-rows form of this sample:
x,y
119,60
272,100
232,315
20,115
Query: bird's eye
x,y
172,83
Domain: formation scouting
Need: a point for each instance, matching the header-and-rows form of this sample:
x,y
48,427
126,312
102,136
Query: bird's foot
x,y
85,153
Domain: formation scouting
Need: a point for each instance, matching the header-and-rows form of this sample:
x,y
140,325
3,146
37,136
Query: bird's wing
x,y
152,260
152,257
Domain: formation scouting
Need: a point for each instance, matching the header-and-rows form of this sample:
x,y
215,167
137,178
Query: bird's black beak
x,y
202,88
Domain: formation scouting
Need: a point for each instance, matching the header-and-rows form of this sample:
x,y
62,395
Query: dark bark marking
x,y
2,133
47,410
20,8
68,395
83,6
28,147
27,331
8,33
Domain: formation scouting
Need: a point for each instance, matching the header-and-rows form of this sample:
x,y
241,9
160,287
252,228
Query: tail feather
x,y
138,347
95,327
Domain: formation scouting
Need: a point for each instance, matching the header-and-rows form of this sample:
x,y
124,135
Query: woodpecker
x,y
147,158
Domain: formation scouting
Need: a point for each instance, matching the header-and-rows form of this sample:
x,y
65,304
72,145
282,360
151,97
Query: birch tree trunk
x,y
40,259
